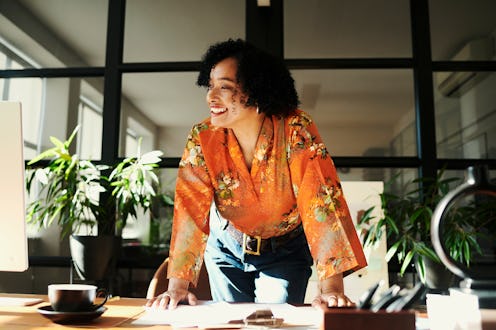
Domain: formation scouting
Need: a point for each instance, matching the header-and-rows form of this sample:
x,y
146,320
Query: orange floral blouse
x,y
292,180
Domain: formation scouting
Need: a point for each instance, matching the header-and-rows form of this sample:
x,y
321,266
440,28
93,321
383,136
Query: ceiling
x,y
173,30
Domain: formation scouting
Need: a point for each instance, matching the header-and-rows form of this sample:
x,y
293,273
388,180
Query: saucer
x,y
70,317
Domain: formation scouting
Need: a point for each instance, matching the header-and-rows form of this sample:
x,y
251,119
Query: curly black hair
x,y
264,78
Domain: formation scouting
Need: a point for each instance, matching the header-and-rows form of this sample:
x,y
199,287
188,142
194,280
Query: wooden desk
x,y
120,313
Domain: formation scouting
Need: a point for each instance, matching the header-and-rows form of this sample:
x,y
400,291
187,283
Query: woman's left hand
x,y
332,299
332,293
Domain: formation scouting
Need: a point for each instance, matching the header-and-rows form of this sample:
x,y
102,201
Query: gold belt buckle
x,y
245,241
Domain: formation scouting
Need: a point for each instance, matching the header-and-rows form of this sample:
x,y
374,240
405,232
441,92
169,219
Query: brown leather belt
x,y
256,245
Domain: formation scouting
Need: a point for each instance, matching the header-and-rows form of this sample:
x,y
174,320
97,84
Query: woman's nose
x,y
211,94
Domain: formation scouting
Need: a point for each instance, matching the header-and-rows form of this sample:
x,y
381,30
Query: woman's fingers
x,y
171,298
160,301
332,300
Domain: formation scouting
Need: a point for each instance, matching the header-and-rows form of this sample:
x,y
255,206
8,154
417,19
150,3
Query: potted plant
x,y
82,197
406,222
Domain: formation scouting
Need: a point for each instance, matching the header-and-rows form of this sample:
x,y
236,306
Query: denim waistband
x,y
256,245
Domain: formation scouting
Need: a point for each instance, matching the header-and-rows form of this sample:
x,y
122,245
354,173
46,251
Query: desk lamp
x,y
477,198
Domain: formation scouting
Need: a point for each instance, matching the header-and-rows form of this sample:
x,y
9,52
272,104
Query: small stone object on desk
x,y
263,317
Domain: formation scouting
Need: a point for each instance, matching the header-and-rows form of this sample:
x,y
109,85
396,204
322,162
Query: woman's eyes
x,y
225,87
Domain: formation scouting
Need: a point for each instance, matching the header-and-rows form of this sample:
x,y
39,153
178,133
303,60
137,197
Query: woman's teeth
x,y
218,110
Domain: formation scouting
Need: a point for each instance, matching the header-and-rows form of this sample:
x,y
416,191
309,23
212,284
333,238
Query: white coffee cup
x,y
74,297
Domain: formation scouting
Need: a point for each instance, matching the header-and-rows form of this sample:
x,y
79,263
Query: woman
x,y
257,194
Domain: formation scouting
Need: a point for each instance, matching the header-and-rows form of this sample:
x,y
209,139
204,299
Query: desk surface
x,y
120,313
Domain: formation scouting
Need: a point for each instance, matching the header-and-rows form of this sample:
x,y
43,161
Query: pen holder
x,y
359,319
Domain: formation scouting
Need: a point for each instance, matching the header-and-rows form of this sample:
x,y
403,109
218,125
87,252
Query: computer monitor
x,y
13,237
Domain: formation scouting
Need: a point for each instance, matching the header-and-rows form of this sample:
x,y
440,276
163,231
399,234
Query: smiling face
x,y
225,98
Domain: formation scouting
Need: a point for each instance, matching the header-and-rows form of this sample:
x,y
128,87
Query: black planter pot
x,y
94,257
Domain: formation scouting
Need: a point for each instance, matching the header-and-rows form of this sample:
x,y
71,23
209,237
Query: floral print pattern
x,y
292,180
227,184
326,202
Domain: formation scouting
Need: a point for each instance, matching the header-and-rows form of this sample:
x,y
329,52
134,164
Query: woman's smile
x,y
217,110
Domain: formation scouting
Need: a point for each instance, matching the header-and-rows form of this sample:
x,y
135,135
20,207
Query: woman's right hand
x,y
177,292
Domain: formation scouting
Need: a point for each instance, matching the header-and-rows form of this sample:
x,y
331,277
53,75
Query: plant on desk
x,y
406,222
81,196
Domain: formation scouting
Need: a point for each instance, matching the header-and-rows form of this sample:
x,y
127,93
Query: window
x,y
90,136
179,30
360,112
29,91
350,29
466,115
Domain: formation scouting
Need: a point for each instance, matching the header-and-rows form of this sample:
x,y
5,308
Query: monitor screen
x,y
13,239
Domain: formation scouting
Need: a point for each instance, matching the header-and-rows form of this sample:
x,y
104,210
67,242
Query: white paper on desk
x,y
19,301
207,314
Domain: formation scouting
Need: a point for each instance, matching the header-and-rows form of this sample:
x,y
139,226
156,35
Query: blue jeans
x,y
276,276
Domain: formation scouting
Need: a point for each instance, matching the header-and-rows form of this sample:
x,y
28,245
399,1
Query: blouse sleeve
x,y
192,202
328,226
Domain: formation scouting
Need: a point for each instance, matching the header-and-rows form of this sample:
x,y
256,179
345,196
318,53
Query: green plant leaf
x,y
151,157
430,253
76,193
59,145
421,266
416,214
466,253
392,223
50,153
366,216
392,251
406,262
73,135
166,199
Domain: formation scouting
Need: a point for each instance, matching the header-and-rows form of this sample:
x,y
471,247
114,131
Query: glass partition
x,y
361,112
179,30
465,108
153,229
462,30
165,106
370,112
54,107
340,29
55,33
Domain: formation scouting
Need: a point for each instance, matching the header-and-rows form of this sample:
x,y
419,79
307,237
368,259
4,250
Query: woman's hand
x,y
332,299
176,292
332,294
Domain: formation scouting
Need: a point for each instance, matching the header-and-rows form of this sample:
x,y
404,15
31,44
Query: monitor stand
x,y
484,290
